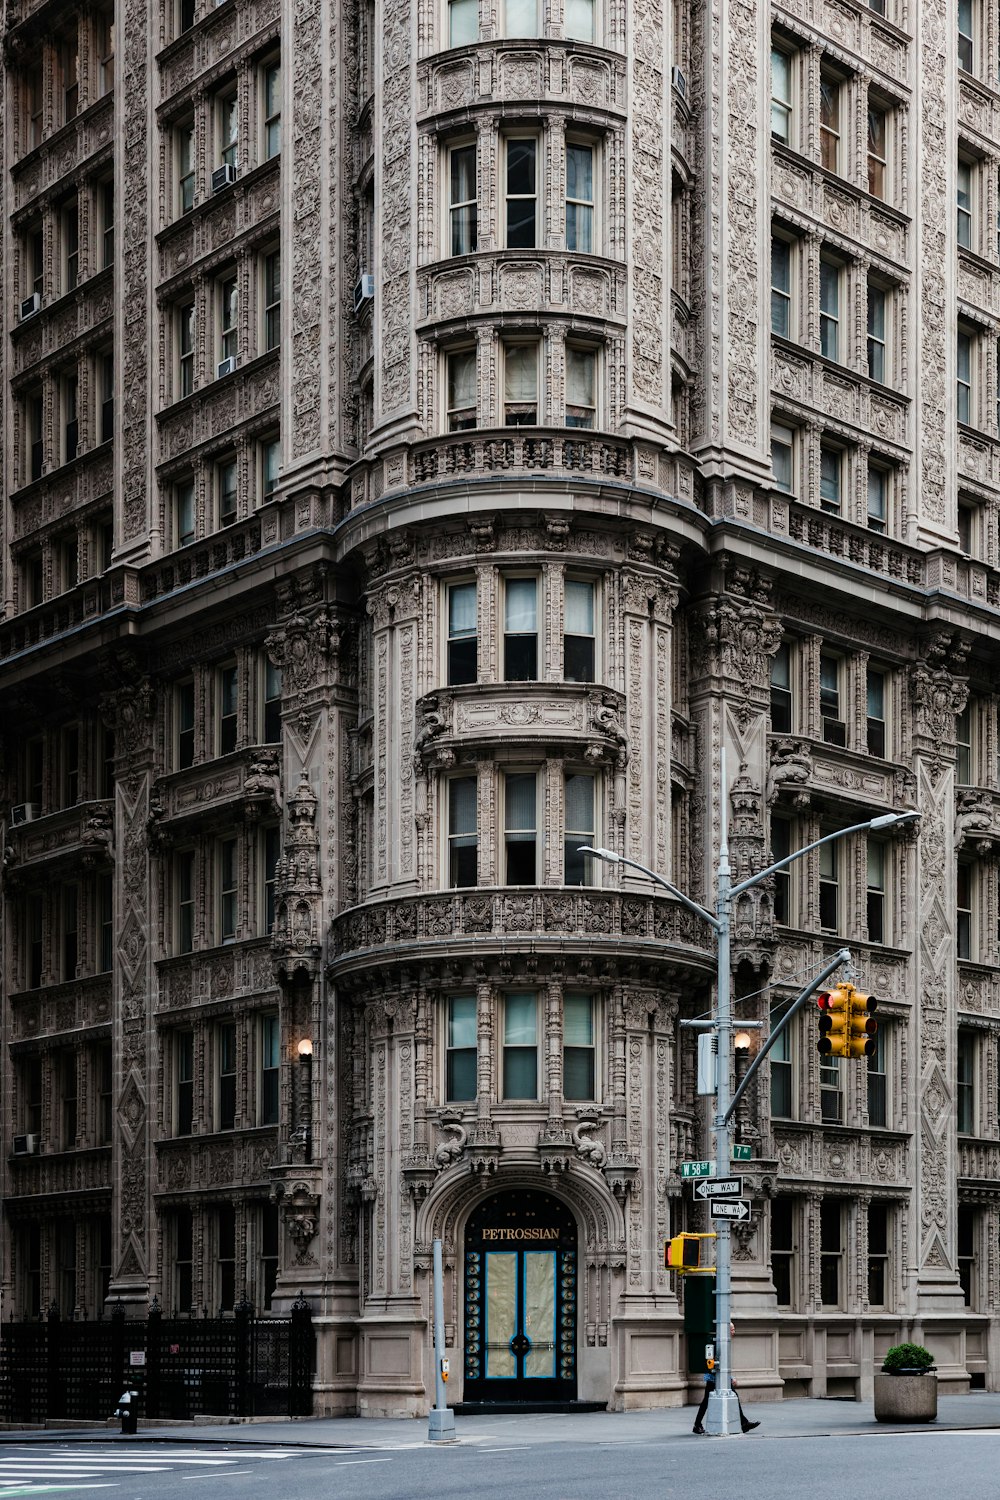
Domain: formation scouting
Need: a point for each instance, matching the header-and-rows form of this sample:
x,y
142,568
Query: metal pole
x,y
440,1421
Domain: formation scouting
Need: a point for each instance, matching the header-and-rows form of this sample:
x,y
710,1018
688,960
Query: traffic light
x,y
834,1021
863,1028
683,1252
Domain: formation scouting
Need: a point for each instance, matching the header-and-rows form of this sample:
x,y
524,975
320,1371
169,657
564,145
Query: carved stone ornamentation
x,y
296,942
301,1214
588,1148
450,1149
789,773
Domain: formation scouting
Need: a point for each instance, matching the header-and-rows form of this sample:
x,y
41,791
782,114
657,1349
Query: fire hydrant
x,y
128,1410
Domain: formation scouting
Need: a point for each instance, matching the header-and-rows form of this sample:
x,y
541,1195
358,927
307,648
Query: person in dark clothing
x,y
745,1422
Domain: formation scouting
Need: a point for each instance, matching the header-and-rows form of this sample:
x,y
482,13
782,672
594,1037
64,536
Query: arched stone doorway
x,y
520,1309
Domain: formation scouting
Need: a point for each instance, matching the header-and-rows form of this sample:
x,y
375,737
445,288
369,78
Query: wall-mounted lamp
x,y
306,1047
741,1041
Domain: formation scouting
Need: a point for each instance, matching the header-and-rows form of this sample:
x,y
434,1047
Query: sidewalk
x,y
801,1418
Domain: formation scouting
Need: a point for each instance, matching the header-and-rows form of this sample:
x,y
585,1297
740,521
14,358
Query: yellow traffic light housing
x,y
683,1252
863,1027
834,1021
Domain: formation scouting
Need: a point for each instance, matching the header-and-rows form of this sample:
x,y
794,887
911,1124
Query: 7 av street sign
x,y
719,1187
738,1209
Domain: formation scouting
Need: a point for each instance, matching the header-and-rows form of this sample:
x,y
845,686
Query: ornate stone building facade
x,y
405,484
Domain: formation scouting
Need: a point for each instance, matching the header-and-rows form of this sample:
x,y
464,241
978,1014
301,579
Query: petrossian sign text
x,y
524,1232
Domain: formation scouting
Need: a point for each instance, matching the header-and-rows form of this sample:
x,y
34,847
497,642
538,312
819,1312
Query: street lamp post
x,y
722,1419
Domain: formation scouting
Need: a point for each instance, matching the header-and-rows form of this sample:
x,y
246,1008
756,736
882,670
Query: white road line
x,y
352,1461
519,1448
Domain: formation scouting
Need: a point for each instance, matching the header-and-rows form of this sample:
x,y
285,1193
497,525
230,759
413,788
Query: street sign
x,y
697,1168
720,1187
738,1209
741,1153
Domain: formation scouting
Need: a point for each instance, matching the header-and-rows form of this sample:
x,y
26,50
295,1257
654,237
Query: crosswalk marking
x,y
29,1471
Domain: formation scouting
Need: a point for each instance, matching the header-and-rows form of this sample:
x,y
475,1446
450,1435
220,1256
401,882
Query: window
x,y
106,919
829,120
185,348
70,61
966,46
228,319
69,561
878,6
270,462
30,1075
578,869
579,20
581,387
521,18
461,390
522,192
578,631
834,728
272,300
875,891
272,704
185,725
184,512
877,1081
71,245
272,850
185,14
579,198
463,831
877,299
268,1274
579,1074
963,910
228,886
184,876
829,307
65,1265
69,391
781,96
462,633
463,22
781,286
878,1253
829,888
105,48
225,1247
184,1062
70,766
70,931
520,639
966,1253
36,257
104,1082
965,1083
228,708
229,129
107,214
106,397
520,1046
107,765
226,1044
781,1068
878,497
225,490
272,110
781,690
68,1093
963,746
782,1248
831,1250
183,1236
462,210
34,89
875,684
36,438
270,1060
831,462
520,385
963,376
783,458
781,847
461,1052
877,150
520,833
964,180
184,147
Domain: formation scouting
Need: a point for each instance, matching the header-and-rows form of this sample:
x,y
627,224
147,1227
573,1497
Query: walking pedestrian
x,y
745,1422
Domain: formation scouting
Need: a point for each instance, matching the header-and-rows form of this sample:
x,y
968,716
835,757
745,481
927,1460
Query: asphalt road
x,y
878,1466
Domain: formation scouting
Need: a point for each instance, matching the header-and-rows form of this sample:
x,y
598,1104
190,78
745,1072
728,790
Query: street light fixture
x,y
722,1419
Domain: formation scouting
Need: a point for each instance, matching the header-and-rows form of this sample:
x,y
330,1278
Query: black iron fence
x,y
181,1367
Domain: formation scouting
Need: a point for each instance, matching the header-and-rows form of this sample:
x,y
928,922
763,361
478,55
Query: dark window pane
x,y
461,1082
463,864
578,658
520,658
578,1072
521,865
462,660
519,1073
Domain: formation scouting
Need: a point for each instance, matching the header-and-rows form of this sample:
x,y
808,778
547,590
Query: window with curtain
x,y
461,1052
781,287
579,20
578,1047
461,391
520,385
578,869
578,631
522,192
878,1253
520,1045
462,633
875,892
520,832
780,1059
877,1098
581,387
521,18
579,198
462,199
520,625
463,831
463,22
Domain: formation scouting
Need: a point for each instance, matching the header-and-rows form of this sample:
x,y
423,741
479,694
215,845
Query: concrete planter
x,y
906,1398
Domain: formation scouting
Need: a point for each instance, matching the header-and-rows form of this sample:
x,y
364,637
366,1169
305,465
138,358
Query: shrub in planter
x,y
907,1359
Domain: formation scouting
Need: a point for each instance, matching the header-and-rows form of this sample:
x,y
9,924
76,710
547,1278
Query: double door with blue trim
x,y
520,1300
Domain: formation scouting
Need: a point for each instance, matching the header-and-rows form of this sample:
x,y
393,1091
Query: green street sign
x,y
697,1168
741,1153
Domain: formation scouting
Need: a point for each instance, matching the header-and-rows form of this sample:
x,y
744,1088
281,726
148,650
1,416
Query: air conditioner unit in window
x,y
679,82
835,732
26,1145
223,177
364,290
23,812
31,305
227,366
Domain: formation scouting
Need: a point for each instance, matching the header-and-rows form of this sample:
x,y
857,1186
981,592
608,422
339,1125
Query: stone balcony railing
x,y
205,1163
43,168
577,714
245,784
651,926
979,1161
78,835
55,1009
215,975
86,1172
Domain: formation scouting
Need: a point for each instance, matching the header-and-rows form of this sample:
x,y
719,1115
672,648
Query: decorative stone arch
x,y
598,1213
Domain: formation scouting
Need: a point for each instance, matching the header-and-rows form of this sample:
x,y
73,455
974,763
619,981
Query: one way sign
x,y
726,1209
719,1187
